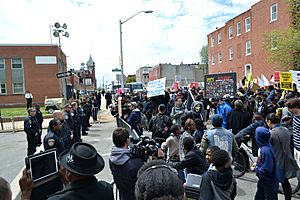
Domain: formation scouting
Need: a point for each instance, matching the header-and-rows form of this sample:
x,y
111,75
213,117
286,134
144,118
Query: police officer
x,y
68,116
77,123
31,128
40,119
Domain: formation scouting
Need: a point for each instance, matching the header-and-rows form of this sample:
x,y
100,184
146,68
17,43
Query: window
x,y
248,48
2,65
247,24
16,63
273,12
230,53
220,57
88,81
248,69
230,32
219,38
212,41
238,28
18,88
212,59
2,88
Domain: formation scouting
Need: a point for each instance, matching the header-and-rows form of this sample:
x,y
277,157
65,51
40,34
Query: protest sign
x,y
156,87
286,80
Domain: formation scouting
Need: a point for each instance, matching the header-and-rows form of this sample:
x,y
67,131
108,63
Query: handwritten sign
x,y
156,87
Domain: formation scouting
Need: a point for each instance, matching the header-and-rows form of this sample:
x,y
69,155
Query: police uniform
x,y
31,128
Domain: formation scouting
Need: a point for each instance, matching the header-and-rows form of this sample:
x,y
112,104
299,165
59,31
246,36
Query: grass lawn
x,y
18,112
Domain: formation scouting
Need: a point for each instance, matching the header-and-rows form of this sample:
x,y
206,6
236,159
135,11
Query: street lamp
x,y
121,46
60,30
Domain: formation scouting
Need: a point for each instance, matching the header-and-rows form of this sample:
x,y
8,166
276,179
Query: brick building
x,y
31,67
142,74
183,73
238,46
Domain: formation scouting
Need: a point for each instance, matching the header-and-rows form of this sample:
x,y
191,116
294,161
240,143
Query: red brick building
x,y
31,67
238,46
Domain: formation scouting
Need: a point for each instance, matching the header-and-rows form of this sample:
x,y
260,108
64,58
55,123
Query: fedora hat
x,y
82,159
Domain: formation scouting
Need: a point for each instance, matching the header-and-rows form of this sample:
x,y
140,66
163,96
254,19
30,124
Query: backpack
x,y
143,123
160,127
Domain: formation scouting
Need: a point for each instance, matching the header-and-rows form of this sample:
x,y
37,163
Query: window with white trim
x,y
88,81
212,59
219,38
2,88
248,47
238,29
18,88
2,64
273,12
220,57
247,24
230,53
16,63
230,32
212,41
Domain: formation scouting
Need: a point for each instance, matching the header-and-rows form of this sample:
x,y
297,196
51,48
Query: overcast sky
x,y
173,33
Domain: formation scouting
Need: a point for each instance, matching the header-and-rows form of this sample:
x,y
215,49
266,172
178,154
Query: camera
x,y
143,148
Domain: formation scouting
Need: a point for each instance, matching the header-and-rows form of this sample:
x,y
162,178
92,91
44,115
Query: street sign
x,y
63,74
116,70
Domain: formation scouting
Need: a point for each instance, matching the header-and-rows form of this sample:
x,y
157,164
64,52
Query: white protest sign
x,y
156,87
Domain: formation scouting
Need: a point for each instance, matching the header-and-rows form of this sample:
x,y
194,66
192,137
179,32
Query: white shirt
x,y
28,96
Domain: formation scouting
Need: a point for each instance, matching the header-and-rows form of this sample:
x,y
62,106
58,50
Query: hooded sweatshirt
x,y
124,170
218,185
266,167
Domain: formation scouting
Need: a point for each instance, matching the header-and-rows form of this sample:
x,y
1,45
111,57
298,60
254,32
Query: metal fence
x,y
14,124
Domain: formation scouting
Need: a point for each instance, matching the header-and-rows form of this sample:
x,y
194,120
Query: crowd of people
x,y
196,135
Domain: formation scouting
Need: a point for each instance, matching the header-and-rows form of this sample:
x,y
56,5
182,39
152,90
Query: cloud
x,y
173,33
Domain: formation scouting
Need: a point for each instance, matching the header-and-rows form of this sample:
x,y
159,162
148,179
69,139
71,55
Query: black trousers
x,y
31,145
29,103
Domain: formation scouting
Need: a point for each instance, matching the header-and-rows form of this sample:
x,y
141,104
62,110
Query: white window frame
x,y
2,63
4,88
212,41
231,53
14,92
275,13
88,81
248,46
219,38
238,28
245,69
21,63
212,59
220,57
230,32
247,25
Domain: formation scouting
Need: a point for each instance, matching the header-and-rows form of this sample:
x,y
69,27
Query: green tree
x,y
131,79
283,47
204,54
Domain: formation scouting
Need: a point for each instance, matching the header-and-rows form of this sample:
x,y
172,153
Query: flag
x,y
265,80
260,82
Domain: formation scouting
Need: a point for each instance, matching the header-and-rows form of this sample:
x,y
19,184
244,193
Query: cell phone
x,y
43,166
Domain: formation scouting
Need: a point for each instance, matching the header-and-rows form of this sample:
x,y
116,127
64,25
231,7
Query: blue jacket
x,y
134,119
223,109
266,167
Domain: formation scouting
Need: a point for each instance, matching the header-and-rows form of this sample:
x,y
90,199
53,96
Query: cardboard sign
x,y
156,87
286,81
193,84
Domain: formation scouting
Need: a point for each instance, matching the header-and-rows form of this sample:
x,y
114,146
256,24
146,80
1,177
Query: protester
x,y
134,118
209,151
218,182
223,108
266,167
5,190
157,180
108,99
293,106
77,168
280,140
172,144
189,129
199,131
177,111
123,166
31,128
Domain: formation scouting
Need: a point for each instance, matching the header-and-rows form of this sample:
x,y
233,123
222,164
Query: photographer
x,y
124,168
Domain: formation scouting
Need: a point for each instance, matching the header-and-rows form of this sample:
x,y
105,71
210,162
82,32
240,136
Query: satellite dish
x,y
57,25
66,34
56,33
64,26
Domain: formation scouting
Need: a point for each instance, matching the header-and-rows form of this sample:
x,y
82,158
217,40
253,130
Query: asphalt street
x,y
13,152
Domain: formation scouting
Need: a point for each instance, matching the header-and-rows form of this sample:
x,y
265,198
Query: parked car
x,y
52,104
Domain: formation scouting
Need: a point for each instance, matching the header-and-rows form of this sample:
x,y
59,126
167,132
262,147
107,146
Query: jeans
x,y
266,191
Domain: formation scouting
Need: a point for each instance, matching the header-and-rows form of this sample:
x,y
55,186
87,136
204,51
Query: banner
x,y
156,87
286,81
193,84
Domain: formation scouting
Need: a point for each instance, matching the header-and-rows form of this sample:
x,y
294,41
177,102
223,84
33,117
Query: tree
x,y
204,54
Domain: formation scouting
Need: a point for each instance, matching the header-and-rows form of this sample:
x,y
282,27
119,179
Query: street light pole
x,y
121,45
